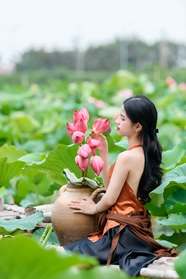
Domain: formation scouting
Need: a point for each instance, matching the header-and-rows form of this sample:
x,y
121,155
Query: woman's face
x,y
125,127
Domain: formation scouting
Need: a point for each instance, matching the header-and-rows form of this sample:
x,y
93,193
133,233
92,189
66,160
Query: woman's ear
x,y
138,127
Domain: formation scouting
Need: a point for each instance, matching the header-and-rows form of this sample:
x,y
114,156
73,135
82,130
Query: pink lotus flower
x,y
80,115
81,162
81,126
76,116
96,164
85,114
107,131
84,151
78,137
100,125
96,102
125,93
89,146
182,86
70,129
170,81
93,143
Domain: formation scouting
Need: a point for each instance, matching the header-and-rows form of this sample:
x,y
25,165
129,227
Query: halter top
x,y
127,204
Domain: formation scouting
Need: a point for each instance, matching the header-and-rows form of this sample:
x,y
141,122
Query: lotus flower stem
x,y
45,236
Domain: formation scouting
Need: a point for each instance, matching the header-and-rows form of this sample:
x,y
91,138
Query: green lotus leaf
x,y
26,223
95,272
176,202
24,122
29,260
56,161
172,157
33,158
175,221
83,181
11,153
8,170
172,180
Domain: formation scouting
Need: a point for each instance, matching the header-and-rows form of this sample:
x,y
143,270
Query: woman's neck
x,y
134,142
134,146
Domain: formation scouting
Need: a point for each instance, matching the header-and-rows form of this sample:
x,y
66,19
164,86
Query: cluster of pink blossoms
x,y
88,147
171,82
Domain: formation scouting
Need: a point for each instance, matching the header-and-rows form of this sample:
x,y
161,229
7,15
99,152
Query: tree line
x,y
132,54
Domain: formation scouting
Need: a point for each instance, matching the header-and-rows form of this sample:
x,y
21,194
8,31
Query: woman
x,y
125,235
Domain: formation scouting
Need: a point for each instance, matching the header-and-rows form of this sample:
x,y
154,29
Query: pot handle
x,y
97,192
62,189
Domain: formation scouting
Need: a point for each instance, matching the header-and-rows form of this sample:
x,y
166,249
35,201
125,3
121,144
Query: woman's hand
x,y
101,138
85,206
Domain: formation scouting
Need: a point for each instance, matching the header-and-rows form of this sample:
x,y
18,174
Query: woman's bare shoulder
x,y
129,156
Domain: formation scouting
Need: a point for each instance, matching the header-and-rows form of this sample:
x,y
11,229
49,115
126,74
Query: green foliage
x,y
38,262
35,150
27,223
54,164
168,200
45,236
36,119
171,158
171,182
51,239
72,179
10,167
35,261
93,273
180,265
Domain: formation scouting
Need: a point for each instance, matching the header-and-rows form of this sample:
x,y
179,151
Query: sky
x,y
66,24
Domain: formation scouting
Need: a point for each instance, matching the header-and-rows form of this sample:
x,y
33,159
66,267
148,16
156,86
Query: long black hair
x,y
140,109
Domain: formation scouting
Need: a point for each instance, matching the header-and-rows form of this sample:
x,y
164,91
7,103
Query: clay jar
x,y
69,226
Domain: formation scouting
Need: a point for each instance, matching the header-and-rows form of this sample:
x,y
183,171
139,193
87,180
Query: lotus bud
x,y
107,131
70,129
100,125
93,143
85,114
81,163
84,151
78,137
96,164
76,116
81,126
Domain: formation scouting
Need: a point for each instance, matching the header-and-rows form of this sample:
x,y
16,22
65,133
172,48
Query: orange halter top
x,y
127,204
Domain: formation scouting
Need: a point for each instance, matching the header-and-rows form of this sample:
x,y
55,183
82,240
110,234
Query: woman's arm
x,y
106,166
119,176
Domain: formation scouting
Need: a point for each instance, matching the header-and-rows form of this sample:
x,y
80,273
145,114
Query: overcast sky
x,y
62,24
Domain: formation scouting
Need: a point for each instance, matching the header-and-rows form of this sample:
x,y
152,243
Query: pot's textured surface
x,y
69,226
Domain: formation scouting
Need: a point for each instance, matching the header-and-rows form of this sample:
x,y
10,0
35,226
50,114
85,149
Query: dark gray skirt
x,y
131,253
